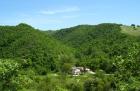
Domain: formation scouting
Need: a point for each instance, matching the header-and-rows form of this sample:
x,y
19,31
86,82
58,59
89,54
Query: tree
x,y
8,69
134,26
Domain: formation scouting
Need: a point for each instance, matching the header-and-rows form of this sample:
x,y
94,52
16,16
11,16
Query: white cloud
x,y
65,10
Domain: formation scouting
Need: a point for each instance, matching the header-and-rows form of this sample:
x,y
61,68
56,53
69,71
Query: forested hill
x,y
75,36
35,60
98,46
25,42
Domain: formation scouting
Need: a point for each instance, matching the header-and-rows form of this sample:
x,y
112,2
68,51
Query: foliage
x,y
33,60
8,69
25,42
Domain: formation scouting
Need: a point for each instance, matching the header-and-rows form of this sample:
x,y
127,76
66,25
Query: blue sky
x,y
56,14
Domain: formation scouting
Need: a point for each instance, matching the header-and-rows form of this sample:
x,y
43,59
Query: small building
x,y
76,71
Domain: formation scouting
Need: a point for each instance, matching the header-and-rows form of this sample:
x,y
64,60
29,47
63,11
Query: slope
x,y
24,42
99,45
131,30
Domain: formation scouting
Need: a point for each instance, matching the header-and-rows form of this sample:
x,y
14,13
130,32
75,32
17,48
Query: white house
x,y
76,71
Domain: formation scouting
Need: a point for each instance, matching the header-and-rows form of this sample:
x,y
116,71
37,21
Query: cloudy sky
x,y
56,14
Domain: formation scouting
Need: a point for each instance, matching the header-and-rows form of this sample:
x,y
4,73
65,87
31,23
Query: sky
x,y
57,14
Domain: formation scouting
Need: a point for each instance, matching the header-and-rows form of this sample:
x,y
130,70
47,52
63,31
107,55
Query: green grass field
x,y
131,30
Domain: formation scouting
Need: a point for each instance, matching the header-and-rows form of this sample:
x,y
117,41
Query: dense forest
x,y
35,60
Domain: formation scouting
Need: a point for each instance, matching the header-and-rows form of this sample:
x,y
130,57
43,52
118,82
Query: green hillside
x,y
98,44
34,60
135,31
104,46
71,36
24,42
